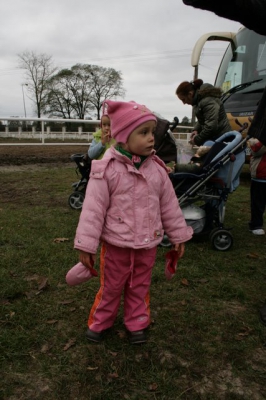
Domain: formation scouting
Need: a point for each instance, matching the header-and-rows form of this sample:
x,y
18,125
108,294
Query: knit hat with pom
x,y
126,117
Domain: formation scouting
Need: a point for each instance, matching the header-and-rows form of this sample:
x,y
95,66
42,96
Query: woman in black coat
x,y
205,99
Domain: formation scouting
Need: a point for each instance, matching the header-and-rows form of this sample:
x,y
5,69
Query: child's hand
x,y
192,136
105,138
180,248
87,259
170,166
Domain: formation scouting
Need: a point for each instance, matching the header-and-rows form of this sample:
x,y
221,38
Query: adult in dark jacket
x,y
258,195
258,186
250,13
205,99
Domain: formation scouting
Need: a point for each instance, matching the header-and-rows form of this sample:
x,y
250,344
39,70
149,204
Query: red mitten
x,y
171,258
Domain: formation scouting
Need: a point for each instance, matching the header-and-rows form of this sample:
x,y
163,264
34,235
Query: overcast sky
x,y
149,41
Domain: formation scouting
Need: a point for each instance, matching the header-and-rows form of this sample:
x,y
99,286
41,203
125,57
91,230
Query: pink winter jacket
x,y
127,207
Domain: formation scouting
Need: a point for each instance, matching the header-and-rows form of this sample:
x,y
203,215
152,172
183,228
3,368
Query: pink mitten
x,y
171,258
79,274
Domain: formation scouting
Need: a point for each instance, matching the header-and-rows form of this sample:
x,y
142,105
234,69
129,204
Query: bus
x,y
241,74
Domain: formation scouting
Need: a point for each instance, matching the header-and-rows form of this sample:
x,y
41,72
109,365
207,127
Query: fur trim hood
x,y
207,90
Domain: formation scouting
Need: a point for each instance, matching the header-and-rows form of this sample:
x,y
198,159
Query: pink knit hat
x,y
126,117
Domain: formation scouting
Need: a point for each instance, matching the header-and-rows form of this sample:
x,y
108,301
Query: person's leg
x,y
115,270
136,293
263,314
257,204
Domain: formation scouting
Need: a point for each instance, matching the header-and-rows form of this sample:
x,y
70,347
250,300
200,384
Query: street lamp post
x,y
24,104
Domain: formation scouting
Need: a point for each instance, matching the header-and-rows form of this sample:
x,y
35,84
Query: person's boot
x,y
137,337
93,336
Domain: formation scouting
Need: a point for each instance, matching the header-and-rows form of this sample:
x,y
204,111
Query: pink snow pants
x,y
127,270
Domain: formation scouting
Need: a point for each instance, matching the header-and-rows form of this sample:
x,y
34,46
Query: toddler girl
x,y
101,139
129,203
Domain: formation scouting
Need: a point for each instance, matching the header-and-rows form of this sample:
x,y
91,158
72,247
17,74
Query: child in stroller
x,y
203,193
165,147
196,162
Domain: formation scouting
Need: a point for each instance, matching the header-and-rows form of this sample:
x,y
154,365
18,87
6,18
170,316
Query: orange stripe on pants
x,y
123,270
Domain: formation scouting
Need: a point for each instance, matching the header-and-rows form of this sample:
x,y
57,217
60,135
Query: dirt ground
x,y
25,157
21,155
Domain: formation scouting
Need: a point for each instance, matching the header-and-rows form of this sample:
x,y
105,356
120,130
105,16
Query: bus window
x,y
245,63
233,75
261,63
241,74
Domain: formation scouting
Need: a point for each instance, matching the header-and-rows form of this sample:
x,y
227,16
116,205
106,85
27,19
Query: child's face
x,y
105,124
141,140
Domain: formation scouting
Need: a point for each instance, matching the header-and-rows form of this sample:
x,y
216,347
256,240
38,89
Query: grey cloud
x,y
149,41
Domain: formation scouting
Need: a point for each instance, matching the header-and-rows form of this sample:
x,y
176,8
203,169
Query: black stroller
x,y
203,195
165,147
83,168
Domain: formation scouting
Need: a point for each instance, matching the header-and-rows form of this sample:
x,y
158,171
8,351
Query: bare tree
x,y
76,92
38,70
69,92
107,83
59,100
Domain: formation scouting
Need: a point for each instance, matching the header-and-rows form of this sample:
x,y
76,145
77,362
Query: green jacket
x,y
212,120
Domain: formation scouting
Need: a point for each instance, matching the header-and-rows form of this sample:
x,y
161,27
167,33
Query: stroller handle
x,y
77,157
174,124
234,139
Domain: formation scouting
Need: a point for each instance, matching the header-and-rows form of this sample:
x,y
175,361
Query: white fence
x,y
45,135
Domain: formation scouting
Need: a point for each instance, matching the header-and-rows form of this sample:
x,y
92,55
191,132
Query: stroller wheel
x,y
221,239
213,231
76,199
165,242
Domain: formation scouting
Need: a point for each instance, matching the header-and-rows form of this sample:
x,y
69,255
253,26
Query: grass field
x,y
205,342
